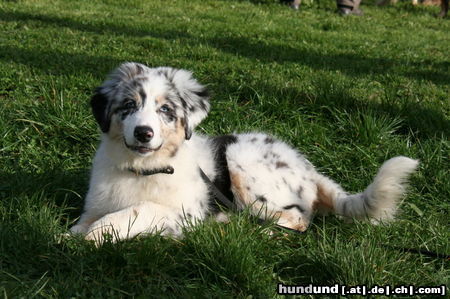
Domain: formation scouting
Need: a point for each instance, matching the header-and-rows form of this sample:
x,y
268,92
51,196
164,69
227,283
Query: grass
x,y
348,92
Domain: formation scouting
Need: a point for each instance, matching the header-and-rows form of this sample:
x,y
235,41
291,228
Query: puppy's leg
x,y
143,218
291,211
84,223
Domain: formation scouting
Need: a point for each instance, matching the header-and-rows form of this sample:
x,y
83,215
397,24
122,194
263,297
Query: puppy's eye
x,y
128,105
165,109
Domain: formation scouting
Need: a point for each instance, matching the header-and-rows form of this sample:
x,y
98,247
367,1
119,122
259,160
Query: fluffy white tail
x,y
379,201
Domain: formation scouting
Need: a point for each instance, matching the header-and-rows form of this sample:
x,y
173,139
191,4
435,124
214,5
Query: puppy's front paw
x,y
77,229
73,231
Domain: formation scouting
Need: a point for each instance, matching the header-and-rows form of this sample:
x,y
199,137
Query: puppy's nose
x,y
143,133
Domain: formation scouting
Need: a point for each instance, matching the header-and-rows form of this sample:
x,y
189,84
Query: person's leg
x,y
444,9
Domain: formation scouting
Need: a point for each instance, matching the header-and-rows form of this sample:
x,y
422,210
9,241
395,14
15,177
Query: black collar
x,y
147,172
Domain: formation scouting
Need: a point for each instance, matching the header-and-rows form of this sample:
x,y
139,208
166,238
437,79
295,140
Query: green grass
x,y
348,92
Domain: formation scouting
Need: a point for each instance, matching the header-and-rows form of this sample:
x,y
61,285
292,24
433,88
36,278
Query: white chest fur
x,y
113,187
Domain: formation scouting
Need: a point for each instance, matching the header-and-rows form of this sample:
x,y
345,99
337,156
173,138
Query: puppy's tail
x,y
380,199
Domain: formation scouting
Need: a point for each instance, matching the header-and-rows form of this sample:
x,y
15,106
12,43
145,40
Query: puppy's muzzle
x,y
143,133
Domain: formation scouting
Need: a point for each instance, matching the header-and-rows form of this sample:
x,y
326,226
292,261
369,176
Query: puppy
x,y
147,172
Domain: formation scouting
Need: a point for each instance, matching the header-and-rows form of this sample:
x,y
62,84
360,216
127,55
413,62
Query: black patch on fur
x,y
281,164
168,73
261,198
254,139
366,202
222,179
294,206
125,113
139,69
187,130
100,109
142,94
203,104
300,192
183,102
269,140
204,93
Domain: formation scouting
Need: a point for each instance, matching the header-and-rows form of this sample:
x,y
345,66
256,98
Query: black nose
x,y
143,133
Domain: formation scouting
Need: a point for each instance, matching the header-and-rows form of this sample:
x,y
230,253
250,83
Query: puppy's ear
x,y
126,72
194,97
104,95
100,108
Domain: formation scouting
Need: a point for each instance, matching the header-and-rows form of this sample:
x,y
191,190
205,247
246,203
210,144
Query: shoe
x,y
349,11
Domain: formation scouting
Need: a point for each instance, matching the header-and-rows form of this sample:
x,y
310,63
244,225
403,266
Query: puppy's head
x,y
150,109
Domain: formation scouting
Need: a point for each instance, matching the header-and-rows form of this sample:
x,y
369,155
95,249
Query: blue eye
x,y
164,109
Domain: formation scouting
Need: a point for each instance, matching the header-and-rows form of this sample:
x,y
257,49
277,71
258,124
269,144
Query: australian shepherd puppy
x,y
147,172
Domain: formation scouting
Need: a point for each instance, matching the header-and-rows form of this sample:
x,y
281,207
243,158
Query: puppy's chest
x,y
162,189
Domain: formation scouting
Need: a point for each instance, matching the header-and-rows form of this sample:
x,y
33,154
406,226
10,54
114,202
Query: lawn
x,y
347,92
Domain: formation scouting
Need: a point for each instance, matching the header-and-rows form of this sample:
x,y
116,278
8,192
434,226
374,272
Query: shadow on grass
x,y
427,121
63,188
35,260
59,63
98,28
349,64
32,250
